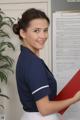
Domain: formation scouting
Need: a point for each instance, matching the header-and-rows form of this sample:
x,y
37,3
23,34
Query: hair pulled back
x,y
27,16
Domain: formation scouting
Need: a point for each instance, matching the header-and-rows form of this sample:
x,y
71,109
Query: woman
x,y
35,82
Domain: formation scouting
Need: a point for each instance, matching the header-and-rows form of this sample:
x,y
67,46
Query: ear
x,y
22,33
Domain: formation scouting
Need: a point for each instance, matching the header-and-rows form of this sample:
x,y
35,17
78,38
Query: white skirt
x,y
38,116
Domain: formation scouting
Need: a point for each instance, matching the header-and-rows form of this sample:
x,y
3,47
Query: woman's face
x,y
36,34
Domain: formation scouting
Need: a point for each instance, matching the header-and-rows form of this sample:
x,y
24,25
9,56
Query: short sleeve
x,y
38,81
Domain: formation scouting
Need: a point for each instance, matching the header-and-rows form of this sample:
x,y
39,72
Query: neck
x,y
35,51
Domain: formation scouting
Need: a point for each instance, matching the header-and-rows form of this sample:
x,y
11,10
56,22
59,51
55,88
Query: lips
x,y
41,41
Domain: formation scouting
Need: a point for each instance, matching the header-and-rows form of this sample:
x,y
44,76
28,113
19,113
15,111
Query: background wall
x,y
64,5
72,112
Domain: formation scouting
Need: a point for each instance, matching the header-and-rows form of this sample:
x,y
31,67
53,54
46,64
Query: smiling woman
x,y
36,35
33,33
35,82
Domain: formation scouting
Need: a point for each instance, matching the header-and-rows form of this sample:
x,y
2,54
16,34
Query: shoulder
x,y
31,63
28,56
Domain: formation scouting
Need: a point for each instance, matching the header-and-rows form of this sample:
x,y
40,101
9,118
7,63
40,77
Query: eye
x,y
36,31
46,30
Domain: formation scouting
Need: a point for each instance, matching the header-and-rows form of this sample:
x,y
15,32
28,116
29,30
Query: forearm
x,y
46,107
49,107
56,106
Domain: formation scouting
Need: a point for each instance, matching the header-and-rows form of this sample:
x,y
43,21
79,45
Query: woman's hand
x,y
76,97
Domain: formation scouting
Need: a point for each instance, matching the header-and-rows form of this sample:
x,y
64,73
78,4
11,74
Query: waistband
x,y
38,116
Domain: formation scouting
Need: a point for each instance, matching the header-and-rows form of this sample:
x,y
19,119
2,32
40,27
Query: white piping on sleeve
x,y
40,89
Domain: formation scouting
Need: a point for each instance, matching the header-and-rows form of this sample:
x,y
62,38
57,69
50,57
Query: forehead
x,y
39,23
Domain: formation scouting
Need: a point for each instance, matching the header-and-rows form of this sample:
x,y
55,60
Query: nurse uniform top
x,y
34,80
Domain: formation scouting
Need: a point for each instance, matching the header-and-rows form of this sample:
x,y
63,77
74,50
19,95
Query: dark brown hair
x,y
27,16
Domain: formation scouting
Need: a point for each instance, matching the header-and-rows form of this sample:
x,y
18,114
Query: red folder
x,y
70,89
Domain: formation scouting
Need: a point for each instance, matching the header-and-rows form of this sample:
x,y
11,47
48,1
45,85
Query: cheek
x,y
31,39
28,37
46,35
32,35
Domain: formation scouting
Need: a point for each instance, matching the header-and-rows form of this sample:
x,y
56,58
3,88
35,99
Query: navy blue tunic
x,y
34,80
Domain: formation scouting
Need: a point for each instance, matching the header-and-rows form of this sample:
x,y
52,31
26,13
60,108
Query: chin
x,y
41,47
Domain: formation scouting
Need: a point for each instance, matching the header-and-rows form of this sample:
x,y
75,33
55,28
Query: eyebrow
x,y
40,28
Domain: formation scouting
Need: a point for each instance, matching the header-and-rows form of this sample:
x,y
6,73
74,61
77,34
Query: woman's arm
x,y
46,107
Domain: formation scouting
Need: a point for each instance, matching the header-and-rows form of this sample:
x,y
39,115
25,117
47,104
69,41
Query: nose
x,y
42,34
